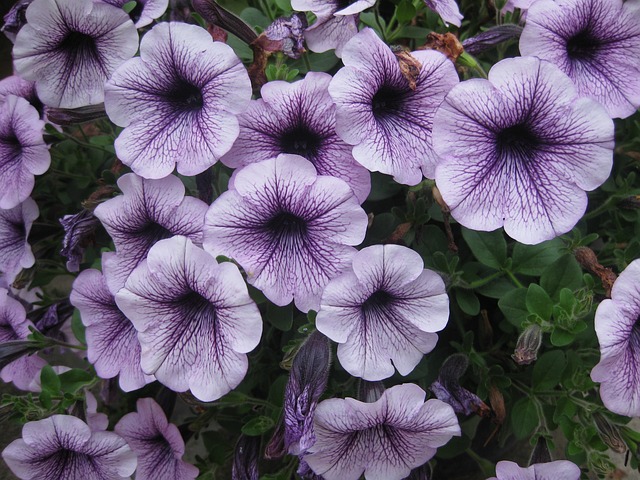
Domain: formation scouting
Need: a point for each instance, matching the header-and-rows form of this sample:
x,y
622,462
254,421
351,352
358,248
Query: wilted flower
x,y
195,319
537,147
385,439
63,446
78,230
618,330
147,211
297,118
447,9
15,19
596,43
23,152
245,458
289,228
383,312
15,251
288,33
112,343
383,114
560,469
609,433
156,442
527,346
178,101
70,47
145,11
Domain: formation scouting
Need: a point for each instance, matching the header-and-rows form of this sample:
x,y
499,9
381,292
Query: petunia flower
x,y
147,211
245,458
178,101
18,86
289,228
145,11
336,22
23,152
71,47
383,312
156,442
519,150
447,9
618,331
560,469
15,326
595,42
297,118
195,319
383,440
112,343
15,19
386,116
15,251
288,34
63,446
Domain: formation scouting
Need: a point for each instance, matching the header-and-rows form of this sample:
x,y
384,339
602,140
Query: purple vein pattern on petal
x,y
112,342
384,312
147,211
63,446
15,251
145,11
156,442
447,9
195,319
178,101
560,469
298,118
519,150
71,47
384,440
377,112
618,331
289,228
595,42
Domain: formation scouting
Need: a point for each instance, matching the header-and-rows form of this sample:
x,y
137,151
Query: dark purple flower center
x,y
301,140
583,46
196,307
154,232
286,225
80,46
634,338
377,304
386,102
65,461
186,95
518,142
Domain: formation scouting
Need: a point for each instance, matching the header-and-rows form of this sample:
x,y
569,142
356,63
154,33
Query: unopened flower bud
x,y
245,459
491,37
527,346
609,433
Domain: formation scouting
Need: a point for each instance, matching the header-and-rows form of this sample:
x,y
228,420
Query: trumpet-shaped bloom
x,y
447,9
63,446
618,331
519,150
23,152
112,342
297,118
595,42
156,442
15,251
147,211
384,440
71,47
195,319
18,86
383,312
145,11
178,101
560,469
288,227
387,121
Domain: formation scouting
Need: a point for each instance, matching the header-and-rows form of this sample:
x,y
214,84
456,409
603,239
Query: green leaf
x,y
468,301
257,426
539,302
45,399
533,259
382,186
413,32
405,11
77,327
490,248
49,380
561,338
280,317
548,370
128,7
284,5
497,289
524,418
514,307
75,379
563,273
564,407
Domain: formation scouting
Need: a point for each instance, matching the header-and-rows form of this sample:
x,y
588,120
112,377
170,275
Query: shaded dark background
x,y
5,44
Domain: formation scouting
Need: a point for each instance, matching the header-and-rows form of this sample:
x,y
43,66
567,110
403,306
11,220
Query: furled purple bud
x,y
245,458
609,433
72,116
527,346
216,15
491,37
448,389
15,19
289,33
78,230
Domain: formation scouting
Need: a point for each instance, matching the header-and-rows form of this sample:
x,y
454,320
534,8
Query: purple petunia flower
x,y
289,32
157,443
70,48
112,343
383,440
379,112
23,152
18,86
145,11
595,42
383,312
15,251
447,9
520,149
178,101
297,118
63,446
15,19
195,319
336,22
147,211
288,227
448,389
560,469
15,326
618,331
